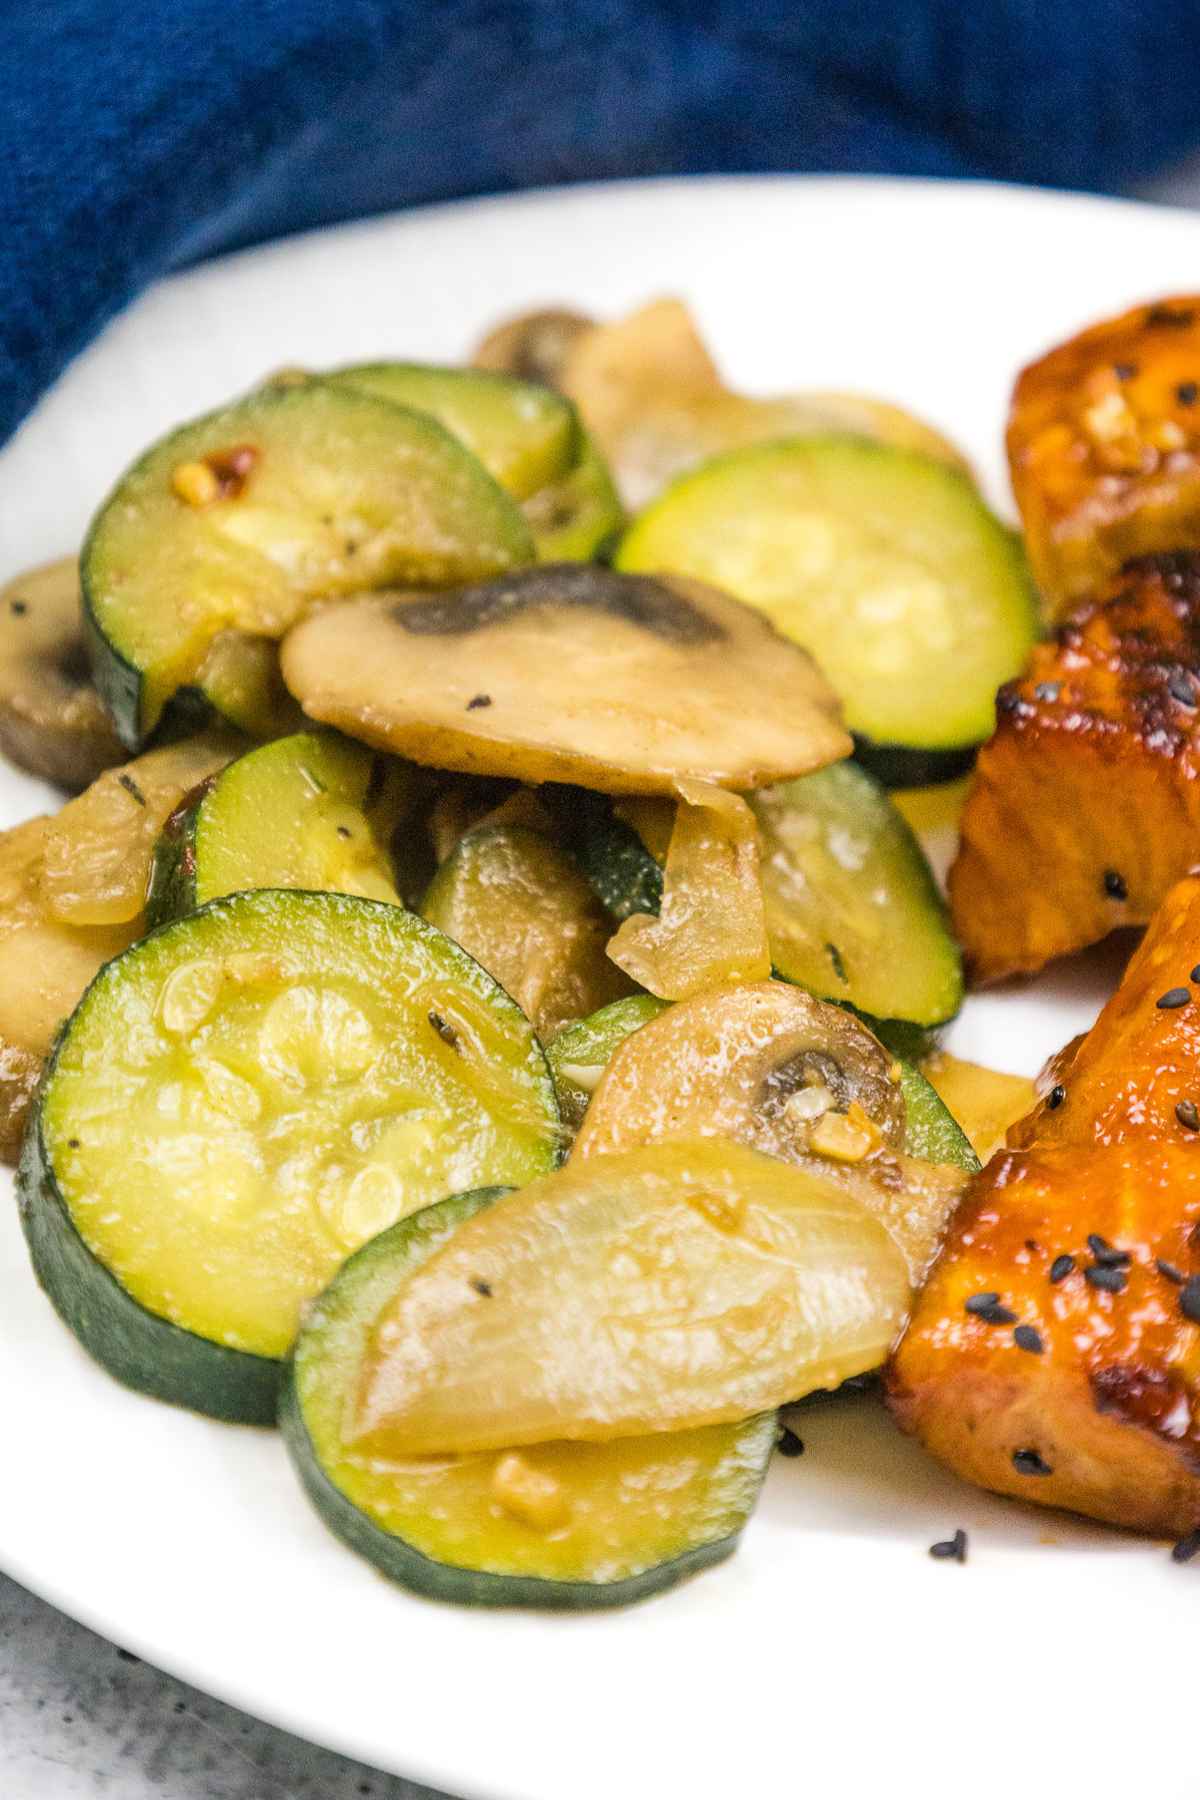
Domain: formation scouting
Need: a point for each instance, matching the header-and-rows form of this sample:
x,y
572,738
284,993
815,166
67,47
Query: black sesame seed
x,y
1055,1098
1114,885
343,831
1186,393
478,701
19,607
1189,1299
131,788
1061,1267
1172,998
835,957
446,1032
1169,1270
988,1308
481,1286
1188,1115
951,1549
1180,688
790,1443
1026,1338
1105,1254
1186,1548
1028,1462
1047,690
1195,974
1124,371
1109,1281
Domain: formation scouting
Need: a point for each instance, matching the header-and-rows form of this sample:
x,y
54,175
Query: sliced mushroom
x,y
571,672
763,1062
789,1075
534,345
51,718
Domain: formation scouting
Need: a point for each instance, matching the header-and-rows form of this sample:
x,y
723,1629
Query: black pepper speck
x,y
1186,393
1114,885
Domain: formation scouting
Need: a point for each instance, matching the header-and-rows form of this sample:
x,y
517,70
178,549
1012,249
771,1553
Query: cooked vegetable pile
x,y
490,1024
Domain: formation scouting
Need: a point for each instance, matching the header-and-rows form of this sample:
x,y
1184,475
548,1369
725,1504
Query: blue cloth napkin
x,y
135,136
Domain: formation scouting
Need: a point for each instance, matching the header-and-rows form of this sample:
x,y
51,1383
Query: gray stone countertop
x,y
82,1720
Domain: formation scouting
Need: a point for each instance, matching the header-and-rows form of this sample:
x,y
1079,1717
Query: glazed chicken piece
x,y
1104,447
1085,804
1054,1352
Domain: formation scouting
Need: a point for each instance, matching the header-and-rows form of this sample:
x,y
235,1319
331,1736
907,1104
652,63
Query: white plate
x,y
830,1655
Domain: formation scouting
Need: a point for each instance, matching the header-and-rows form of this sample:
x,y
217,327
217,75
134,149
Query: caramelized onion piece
x,y
685,1284
711,927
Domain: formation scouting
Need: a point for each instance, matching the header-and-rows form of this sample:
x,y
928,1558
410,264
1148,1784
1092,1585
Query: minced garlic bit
x,y
809,1103
848,1137
530,1495
195,483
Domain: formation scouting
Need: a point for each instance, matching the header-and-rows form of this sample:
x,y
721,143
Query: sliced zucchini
x,y
519,906
886,564
524,435
243,519
624,876
853,911
239,680
627,1294
570,672
308,811
52,721
578,516
533,345
240,1100
933,1133
580,1053
99,850
564,1525
712,926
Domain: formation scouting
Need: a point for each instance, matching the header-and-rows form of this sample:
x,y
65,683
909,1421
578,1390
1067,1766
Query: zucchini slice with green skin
x,y
853,911
524,435
564,1525
308,811
519,906
624,876
575,518
933,1133
243,1098
241,520
580,1053
885,564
